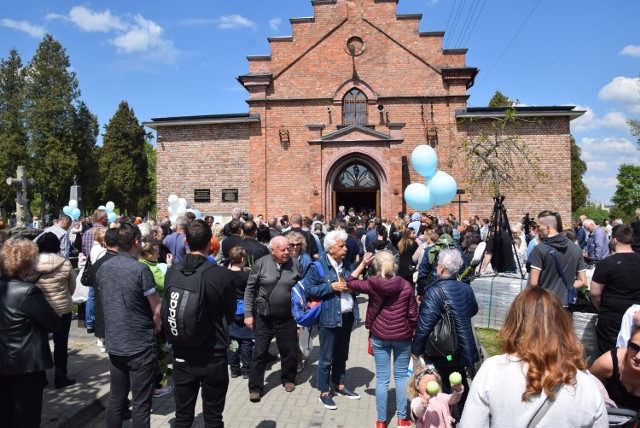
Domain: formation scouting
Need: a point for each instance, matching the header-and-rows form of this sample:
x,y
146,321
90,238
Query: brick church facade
x,y
334,113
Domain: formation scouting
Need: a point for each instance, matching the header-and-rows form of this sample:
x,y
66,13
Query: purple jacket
x,y
392,313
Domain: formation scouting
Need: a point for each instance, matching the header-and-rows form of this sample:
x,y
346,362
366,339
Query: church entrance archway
x,y
357,185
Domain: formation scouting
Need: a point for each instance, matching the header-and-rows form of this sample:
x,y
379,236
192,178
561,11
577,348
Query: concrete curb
x,y
85,414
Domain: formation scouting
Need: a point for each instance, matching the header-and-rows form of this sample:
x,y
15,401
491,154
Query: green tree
x,y
51,96
634,124
596,214
151,159
579,191
626,216
123,165
500,100
627,195
13,134
85,132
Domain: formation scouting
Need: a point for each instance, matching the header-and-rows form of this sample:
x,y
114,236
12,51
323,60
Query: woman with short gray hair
x,y
451,261
459,297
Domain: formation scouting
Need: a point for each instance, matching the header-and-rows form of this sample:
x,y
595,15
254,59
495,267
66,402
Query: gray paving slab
x,y
83,404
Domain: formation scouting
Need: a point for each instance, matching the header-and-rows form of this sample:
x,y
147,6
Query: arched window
x,y
356,176
354,108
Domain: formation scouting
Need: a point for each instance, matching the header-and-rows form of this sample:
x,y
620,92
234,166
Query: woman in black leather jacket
x,y
25,320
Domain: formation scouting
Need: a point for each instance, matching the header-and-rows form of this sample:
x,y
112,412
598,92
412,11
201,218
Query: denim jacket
x,y
319,288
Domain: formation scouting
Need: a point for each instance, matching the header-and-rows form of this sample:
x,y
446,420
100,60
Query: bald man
x,y
269,291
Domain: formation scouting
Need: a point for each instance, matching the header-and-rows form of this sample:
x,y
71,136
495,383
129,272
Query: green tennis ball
x,y
455,378
433,387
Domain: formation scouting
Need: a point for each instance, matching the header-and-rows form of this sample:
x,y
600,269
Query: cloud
x,y
608,145
140,37
432,2
32,30
90,21
235,22
631,50
590,121
623,90
274,24
130,33
607,183
598,166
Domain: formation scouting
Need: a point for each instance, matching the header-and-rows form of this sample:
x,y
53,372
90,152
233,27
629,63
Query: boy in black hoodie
x,y
204,366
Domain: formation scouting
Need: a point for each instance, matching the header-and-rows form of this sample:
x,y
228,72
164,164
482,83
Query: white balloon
x,y
173,199
73,203
172,212
110,206
189,210
197,213
181,211
182,202
173,221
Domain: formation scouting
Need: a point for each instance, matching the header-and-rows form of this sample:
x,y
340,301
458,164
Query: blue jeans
x,y
241,355
382,354
90,308
334,352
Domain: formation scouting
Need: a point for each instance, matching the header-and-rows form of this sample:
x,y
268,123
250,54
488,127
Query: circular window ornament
x,y
355,46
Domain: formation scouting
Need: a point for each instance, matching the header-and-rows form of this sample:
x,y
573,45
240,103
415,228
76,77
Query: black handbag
x,y
443,340
86,273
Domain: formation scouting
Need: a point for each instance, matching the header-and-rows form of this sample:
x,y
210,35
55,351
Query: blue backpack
x,y
304,314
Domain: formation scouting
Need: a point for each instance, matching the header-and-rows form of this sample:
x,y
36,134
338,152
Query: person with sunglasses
x,y
298,249
619,371
541,367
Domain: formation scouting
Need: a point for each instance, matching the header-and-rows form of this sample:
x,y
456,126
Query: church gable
x,y
355,39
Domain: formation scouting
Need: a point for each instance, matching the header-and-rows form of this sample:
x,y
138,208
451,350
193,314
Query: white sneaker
x,y
100,343
161,392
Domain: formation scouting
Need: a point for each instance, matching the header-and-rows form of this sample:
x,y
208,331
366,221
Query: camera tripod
x,y
499,223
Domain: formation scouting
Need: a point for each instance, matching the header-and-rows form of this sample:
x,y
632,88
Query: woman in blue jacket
x,y
338,313
463,305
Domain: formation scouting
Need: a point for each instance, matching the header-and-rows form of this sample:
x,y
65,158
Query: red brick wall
x,y
203,157
311,72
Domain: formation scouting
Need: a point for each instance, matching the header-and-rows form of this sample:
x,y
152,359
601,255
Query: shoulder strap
x,y
537,417
614,360
555,259
320,268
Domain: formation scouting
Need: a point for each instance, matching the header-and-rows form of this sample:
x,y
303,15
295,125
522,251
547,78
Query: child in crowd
x,y
240,357
431,409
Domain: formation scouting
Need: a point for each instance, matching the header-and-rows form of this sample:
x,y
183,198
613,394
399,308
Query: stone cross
x,y
23,214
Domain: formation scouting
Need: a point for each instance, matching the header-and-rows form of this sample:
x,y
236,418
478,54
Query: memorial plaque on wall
x,y
229,195
202,195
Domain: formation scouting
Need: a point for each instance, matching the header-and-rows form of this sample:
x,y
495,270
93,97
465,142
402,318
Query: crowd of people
x,y
210,299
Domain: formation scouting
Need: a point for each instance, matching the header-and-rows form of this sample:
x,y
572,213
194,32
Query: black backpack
x,y
185,319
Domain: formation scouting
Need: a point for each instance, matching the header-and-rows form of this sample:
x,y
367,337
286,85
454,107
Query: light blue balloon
x,y
75,213
67,210
112,217
424,160
417,196
102,207
442,188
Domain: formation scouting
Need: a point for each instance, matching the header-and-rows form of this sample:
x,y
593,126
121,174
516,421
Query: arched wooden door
x,y
356,186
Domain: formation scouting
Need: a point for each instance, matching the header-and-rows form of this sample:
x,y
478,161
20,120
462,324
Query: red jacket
x,y
392,313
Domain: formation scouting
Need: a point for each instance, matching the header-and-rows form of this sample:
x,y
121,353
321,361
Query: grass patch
x,y
489,340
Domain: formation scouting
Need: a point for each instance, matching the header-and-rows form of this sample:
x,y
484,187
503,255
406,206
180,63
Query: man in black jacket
x,y
204,366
